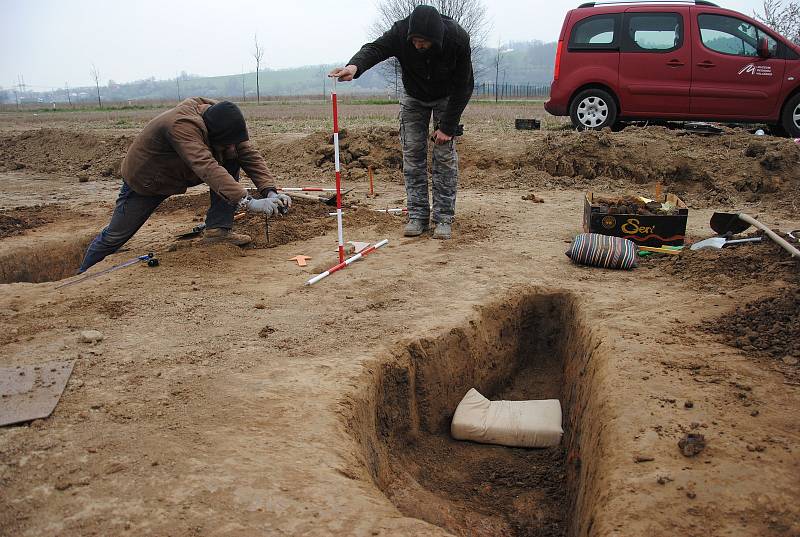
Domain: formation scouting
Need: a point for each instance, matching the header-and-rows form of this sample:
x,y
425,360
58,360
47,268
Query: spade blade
x,y
728,223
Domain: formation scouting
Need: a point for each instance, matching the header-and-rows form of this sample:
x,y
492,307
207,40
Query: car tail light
x,y
558,60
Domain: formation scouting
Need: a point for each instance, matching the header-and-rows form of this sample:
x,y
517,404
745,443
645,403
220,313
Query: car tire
x,y
593,109
790,118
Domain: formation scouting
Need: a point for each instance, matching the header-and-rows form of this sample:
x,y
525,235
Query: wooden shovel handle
x,y
772,235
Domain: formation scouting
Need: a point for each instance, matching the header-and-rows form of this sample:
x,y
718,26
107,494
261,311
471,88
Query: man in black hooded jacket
x,y
434,55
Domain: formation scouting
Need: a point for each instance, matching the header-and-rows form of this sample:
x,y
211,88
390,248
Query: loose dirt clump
x,y
766,327
17,221
63,152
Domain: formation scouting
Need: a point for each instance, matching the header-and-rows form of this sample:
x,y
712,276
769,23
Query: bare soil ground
x,y
226,398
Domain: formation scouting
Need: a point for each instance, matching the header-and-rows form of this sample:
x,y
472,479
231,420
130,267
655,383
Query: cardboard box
x,y
644,230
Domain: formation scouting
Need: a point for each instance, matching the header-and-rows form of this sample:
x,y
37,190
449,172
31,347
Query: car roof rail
x,y
695,2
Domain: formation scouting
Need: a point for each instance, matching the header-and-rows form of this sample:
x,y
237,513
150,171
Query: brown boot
x,y
225,235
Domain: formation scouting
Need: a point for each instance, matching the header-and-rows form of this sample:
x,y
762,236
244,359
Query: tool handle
x,y
772,235
739,241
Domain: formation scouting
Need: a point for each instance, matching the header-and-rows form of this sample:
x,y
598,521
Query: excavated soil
x,y
227,398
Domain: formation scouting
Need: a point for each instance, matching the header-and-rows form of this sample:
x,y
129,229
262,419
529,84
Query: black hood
x,y
426,22
225,124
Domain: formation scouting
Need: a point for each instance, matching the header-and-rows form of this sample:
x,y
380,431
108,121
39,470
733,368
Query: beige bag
x,y
508,423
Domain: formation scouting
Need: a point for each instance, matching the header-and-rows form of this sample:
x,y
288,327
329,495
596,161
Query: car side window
x,y
600,32
729,35
652,32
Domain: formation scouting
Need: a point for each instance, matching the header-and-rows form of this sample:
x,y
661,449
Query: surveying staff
x,y
435,58
198,141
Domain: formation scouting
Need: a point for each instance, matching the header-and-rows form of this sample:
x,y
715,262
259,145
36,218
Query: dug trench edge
x,y
413,390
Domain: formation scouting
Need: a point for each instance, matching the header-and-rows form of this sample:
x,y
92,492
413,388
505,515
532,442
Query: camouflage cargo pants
x,y
415,118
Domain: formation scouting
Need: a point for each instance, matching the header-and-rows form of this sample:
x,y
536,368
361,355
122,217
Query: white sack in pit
x,y
508,423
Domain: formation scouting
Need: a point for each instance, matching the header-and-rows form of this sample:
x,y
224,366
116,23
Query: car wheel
x,y
593,109
790,121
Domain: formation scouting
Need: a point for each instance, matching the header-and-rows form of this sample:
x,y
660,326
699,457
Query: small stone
x,y
90,336
790,360
754,413
260,306
691,495
688,404
643,458
691,444
663,479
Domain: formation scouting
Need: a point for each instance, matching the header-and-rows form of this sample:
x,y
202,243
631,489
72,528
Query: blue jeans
x,y
132,211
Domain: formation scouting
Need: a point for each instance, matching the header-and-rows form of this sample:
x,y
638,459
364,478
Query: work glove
x,y
267,206
284,201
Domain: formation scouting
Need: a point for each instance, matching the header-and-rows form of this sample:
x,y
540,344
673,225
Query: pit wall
x,y
416,388
45,262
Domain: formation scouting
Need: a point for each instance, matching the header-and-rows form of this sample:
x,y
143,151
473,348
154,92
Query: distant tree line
x,y
524,63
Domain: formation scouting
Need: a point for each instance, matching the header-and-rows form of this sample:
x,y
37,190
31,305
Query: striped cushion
x,y
603,251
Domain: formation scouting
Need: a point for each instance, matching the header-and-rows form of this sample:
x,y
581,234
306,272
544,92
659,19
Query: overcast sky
x,y
53,42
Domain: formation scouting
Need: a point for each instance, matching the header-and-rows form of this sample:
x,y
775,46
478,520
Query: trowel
x,y
718,243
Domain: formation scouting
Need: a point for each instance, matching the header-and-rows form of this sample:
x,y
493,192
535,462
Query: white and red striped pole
x,y
338,172
306,189
343,264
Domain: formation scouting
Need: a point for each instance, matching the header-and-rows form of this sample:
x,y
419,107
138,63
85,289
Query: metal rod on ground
x,y
371,186
338,172
266,228
340,266
128,263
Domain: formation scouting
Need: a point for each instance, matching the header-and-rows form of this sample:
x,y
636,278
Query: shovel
x,y
717,243
724,223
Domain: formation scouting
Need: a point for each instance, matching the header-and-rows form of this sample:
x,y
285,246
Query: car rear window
x,y
653,32
599,32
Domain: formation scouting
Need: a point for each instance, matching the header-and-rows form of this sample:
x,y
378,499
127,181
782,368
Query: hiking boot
x,y
442,231
415,228
225,235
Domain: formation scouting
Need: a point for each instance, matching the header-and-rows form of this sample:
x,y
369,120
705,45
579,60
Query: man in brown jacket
x,y
198,141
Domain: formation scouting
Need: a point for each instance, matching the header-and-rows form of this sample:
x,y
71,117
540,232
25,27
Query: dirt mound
x,y
376,147
726,270
703,170
64,152
766,327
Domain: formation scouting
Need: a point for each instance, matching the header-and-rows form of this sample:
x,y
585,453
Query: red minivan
x,y
685,61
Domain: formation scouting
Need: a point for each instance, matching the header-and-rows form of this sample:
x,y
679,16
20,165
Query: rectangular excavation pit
x,y
533,345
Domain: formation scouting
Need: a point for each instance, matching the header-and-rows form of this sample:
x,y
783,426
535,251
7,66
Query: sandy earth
x,y
226,398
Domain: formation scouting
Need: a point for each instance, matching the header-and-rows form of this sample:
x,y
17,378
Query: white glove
x,y
284,201
266,206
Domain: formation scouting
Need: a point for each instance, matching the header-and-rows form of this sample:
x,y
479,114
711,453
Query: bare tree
x,y
178,86
66,89
784,19
95,74
469,14
498,59
244,97
258,54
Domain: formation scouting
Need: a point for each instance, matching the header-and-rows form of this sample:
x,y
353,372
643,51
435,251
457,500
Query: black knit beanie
x,y
225,124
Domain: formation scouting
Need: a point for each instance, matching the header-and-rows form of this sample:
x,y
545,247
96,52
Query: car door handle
x,y
675,63
706,64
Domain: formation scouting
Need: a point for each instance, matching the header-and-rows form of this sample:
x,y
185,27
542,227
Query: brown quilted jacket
x,y
173,153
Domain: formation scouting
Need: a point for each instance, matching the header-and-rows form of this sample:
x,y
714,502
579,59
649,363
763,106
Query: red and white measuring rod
x,y
306,189
340,266
392,211
338,172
